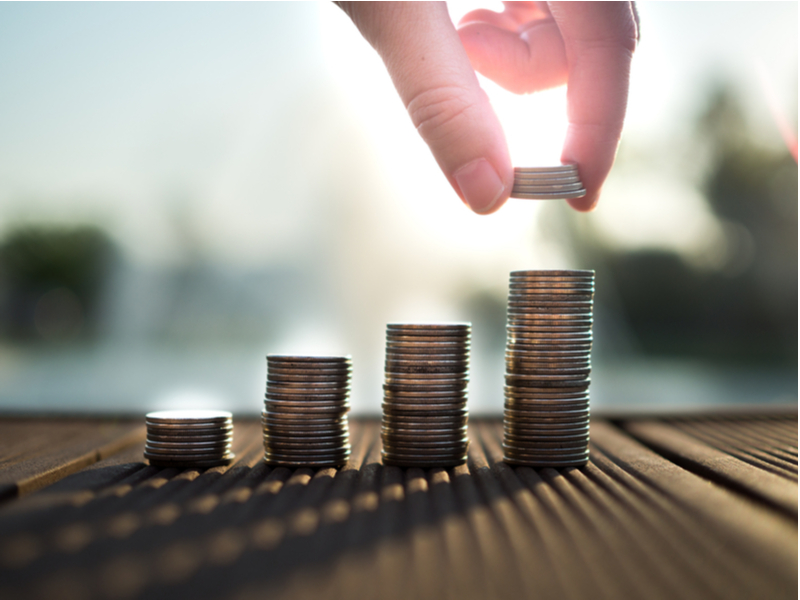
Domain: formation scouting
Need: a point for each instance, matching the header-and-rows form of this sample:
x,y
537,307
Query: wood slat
x,y
768,537
631,524
717,465
42,452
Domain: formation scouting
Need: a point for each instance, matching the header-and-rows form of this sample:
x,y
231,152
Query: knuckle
x,y
440,112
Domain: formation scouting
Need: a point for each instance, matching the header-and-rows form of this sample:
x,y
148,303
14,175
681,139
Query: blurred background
x,y
187,187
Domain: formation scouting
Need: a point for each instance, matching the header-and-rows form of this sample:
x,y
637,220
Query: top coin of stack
x,y
189,438
548,362
547,183
305,410
425,395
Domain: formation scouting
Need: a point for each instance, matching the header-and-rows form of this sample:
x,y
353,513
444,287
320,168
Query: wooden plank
x,y
631,524
769,538
756,450
54,450
716,465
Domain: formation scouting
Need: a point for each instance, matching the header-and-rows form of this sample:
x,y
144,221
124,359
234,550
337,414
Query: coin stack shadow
x,y
547,183
189,438
548,362
425,395
305,410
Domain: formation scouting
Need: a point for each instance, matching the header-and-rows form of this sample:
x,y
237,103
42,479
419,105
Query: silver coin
x,y
428,337
545,196
399,377
175,431
548,423
525,345
554,369
423,421
458,434
531,186
421,392
462,326
513,364
440,409
545,453
189,427
542,464
537,407
311,462
305,437
419,369
547,181
555,276
306,433
547,437
314,374
306,446
322,433
191,416
291,358
191,443
309,383
514,398
428,347
568,319
535,324
551,395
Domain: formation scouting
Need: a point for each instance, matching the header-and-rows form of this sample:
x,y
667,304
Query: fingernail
x,y
480,185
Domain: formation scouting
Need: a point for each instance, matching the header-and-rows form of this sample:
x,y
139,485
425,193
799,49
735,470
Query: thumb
x,y
430,69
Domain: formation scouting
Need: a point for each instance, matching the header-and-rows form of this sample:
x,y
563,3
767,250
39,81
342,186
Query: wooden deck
x,y
695,507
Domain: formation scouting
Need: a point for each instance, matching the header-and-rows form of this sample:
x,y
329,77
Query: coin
x,y
548,363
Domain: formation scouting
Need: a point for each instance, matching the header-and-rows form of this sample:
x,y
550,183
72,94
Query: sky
x,y
219,128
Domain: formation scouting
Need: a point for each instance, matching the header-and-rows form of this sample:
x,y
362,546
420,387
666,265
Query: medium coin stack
x,y
548,362
547,183
425,395
189,438
305,410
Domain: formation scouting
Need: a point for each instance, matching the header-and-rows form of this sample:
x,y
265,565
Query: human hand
x,y
530,46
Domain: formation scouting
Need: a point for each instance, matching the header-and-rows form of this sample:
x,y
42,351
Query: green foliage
x,y
49,274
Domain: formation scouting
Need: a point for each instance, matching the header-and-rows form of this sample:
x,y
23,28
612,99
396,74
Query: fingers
x,y
431,71
599,40
524,59
588,45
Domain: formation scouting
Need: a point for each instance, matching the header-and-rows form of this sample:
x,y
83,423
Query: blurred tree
x,y
746,309
50,281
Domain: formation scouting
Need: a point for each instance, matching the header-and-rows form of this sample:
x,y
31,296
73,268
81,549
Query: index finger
x,y
599,40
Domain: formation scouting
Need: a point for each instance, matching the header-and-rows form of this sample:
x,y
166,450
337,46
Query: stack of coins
x,y
189,438
547,183
425,395
305,410
548,361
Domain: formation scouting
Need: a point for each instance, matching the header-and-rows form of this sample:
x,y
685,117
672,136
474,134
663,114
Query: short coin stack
x,y
425,395
189,438
305,410
547,183
548,361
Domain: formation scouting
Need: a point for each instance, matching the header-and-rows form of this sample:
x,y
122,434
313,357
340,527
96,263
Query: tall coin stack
x,y
305,410
425,395
548,361
189,438
547,183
